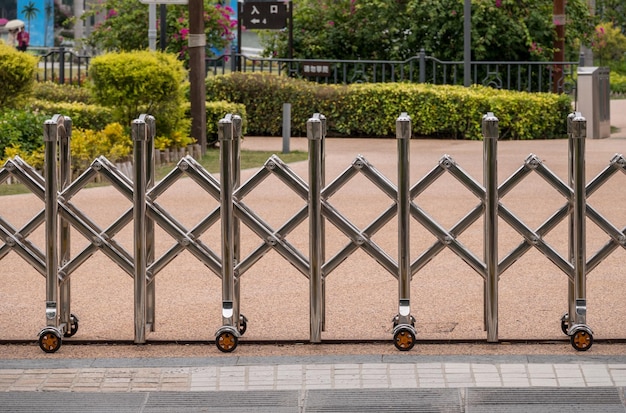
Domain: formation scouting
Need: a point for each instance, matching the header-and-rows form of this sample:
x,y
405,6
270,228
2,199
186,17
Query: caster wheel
x,y
49,341
581,340
243,324
565,323
404,339
226,341
73,326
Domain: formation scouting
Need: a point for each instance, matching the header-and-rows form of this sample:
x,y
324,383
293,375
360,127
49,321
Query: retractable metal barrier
x,y
60,215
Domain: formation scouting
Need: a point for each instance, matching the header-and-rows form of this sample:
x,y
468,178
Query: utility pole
x,y
197,73
467,43
152,31
558,18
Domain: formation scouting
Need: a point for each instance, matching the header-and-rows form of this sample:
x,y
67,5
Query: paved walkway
x,y
323,372
294,384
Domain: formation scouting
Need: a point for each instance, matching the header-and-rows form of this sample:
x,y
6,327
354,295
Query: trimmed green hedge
x,y
62,93
372,109
263,97
83,116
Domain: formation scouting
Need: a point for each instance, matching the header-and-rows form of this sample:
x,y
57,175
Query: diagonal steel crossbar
x,y
617,236
448,238
535,238
17,239
185,239
273,238
99,239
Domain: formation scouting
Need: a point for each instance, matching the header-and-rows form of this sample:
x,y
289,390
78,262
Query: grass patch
x,y
210,161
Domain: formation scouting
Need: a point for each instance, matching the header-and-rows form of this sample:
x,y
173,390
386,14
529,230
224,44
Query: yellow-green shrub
x,y
34,158
174,140
86,145
17,76
132,83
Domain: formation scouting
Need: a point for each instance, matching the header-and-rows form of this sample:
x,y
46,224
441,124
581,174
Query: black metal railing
x,y
522,76
62,66
66,66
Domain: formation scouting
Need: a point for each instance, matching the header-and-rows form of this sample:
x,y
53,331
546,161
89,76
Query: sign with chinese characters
x,y
316,69
264,14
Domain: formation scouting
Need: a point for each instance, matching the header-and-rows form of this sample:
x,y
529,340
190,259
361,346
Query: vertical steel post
x,y
225,133
322,219
490,164
286,126
236,179
314,134
571,291
403,137
140,133
579,133
150,237
65,166
50,137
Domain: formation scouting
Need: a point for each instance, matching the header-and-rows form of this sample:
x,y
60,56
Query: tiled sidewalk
x,y
373,375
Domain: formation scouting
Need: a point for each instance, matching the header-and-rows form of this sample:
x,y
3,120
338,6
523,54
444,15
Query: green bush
x,y
21,129
83,115
55,92
263,96
17,75
132,83
371,109
618,83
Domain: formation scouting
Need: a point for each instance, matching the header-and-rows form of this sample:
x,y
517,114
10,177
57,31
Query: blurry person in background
x,y
23,39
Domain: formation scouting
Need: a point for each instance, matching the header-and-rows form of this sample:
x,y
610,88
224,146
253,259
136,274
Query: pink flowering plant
x,y
125,26
220,29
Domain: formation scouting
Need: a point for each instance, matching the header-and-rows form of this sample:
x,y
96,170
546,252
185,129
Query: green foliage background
x,y
397,30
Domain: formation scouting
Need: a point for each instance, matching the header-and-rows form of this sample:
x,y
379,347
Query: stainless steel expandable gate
x,y
60,215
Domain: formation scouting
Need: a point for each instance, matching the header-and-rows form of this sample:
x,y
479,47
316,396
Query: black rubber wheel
x,y
226,342
565,323
49,341
404,339
73,326
243,324
581,340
